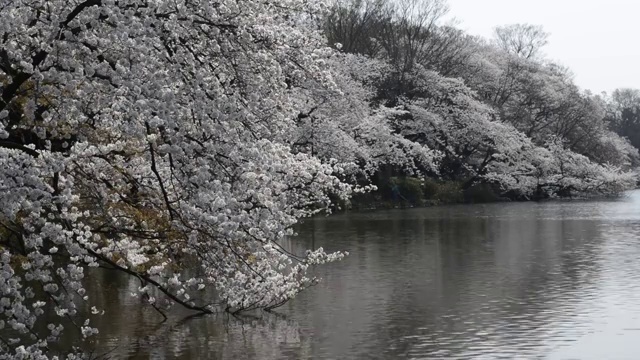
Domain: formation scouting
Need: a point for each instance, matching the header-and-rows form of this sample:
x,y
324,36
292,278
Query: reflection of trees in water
x,y
504,280
349,305
129,330
450,281
448,277
226,337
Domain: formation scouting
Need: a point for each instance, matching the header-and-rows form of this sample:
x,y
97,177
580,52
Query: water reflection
x,y
555,280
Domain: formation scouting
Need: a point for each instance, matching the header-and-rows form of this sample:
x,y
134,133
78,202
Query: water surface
x,y
554,280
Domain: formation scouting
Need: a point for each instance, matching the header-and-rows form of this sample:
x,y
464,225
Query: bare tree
x,y
406,33
523,40
409,34
355,24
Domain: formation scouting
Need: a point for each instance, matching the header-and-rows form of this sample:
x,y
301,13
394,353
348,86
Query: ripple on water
x,y
557,280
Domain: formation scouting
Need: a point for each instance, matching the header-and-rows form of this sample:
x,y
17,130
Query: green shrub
x,y
481,193
407,189
443,192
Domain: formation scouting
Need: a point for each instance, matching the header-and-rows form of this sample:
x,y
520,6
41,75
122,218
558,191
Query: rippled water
x,y
556,280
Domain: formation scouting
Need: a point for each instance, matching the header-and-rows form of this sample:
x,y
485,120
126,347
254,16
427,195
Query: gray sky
x,y
597,40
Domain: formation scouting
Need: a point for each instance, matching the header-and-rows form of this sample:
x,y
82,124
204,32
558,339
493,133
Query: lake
x,y
554,280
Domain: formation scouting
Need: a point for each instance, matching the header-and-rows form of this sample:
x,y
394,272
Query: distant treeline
x,y
493,112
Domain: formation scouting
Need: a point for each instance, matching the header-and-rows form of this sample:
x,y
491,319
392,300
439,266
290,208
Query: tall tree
x,y
523,40
623,114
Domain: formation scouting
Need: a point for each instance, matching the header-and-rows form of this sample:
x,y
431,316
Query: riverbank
x,y
410,192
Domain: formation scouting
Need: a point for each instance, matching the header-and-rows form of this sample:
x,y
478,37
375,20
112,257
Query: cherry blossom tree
x,y
479,148
488,108
153,139
344,125
540,99
533,172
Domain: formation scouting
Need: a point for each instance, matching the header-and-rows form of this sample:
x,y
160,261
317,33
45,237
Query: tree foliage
x,y
153,139
623,114
491,108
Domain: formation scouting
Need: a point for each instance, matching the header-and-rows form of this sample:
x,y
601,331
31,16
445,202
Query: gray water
x,y
553,280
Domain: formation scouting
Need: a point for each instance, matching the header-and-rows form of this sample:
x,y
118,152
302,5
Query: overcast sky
x,y
598,40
